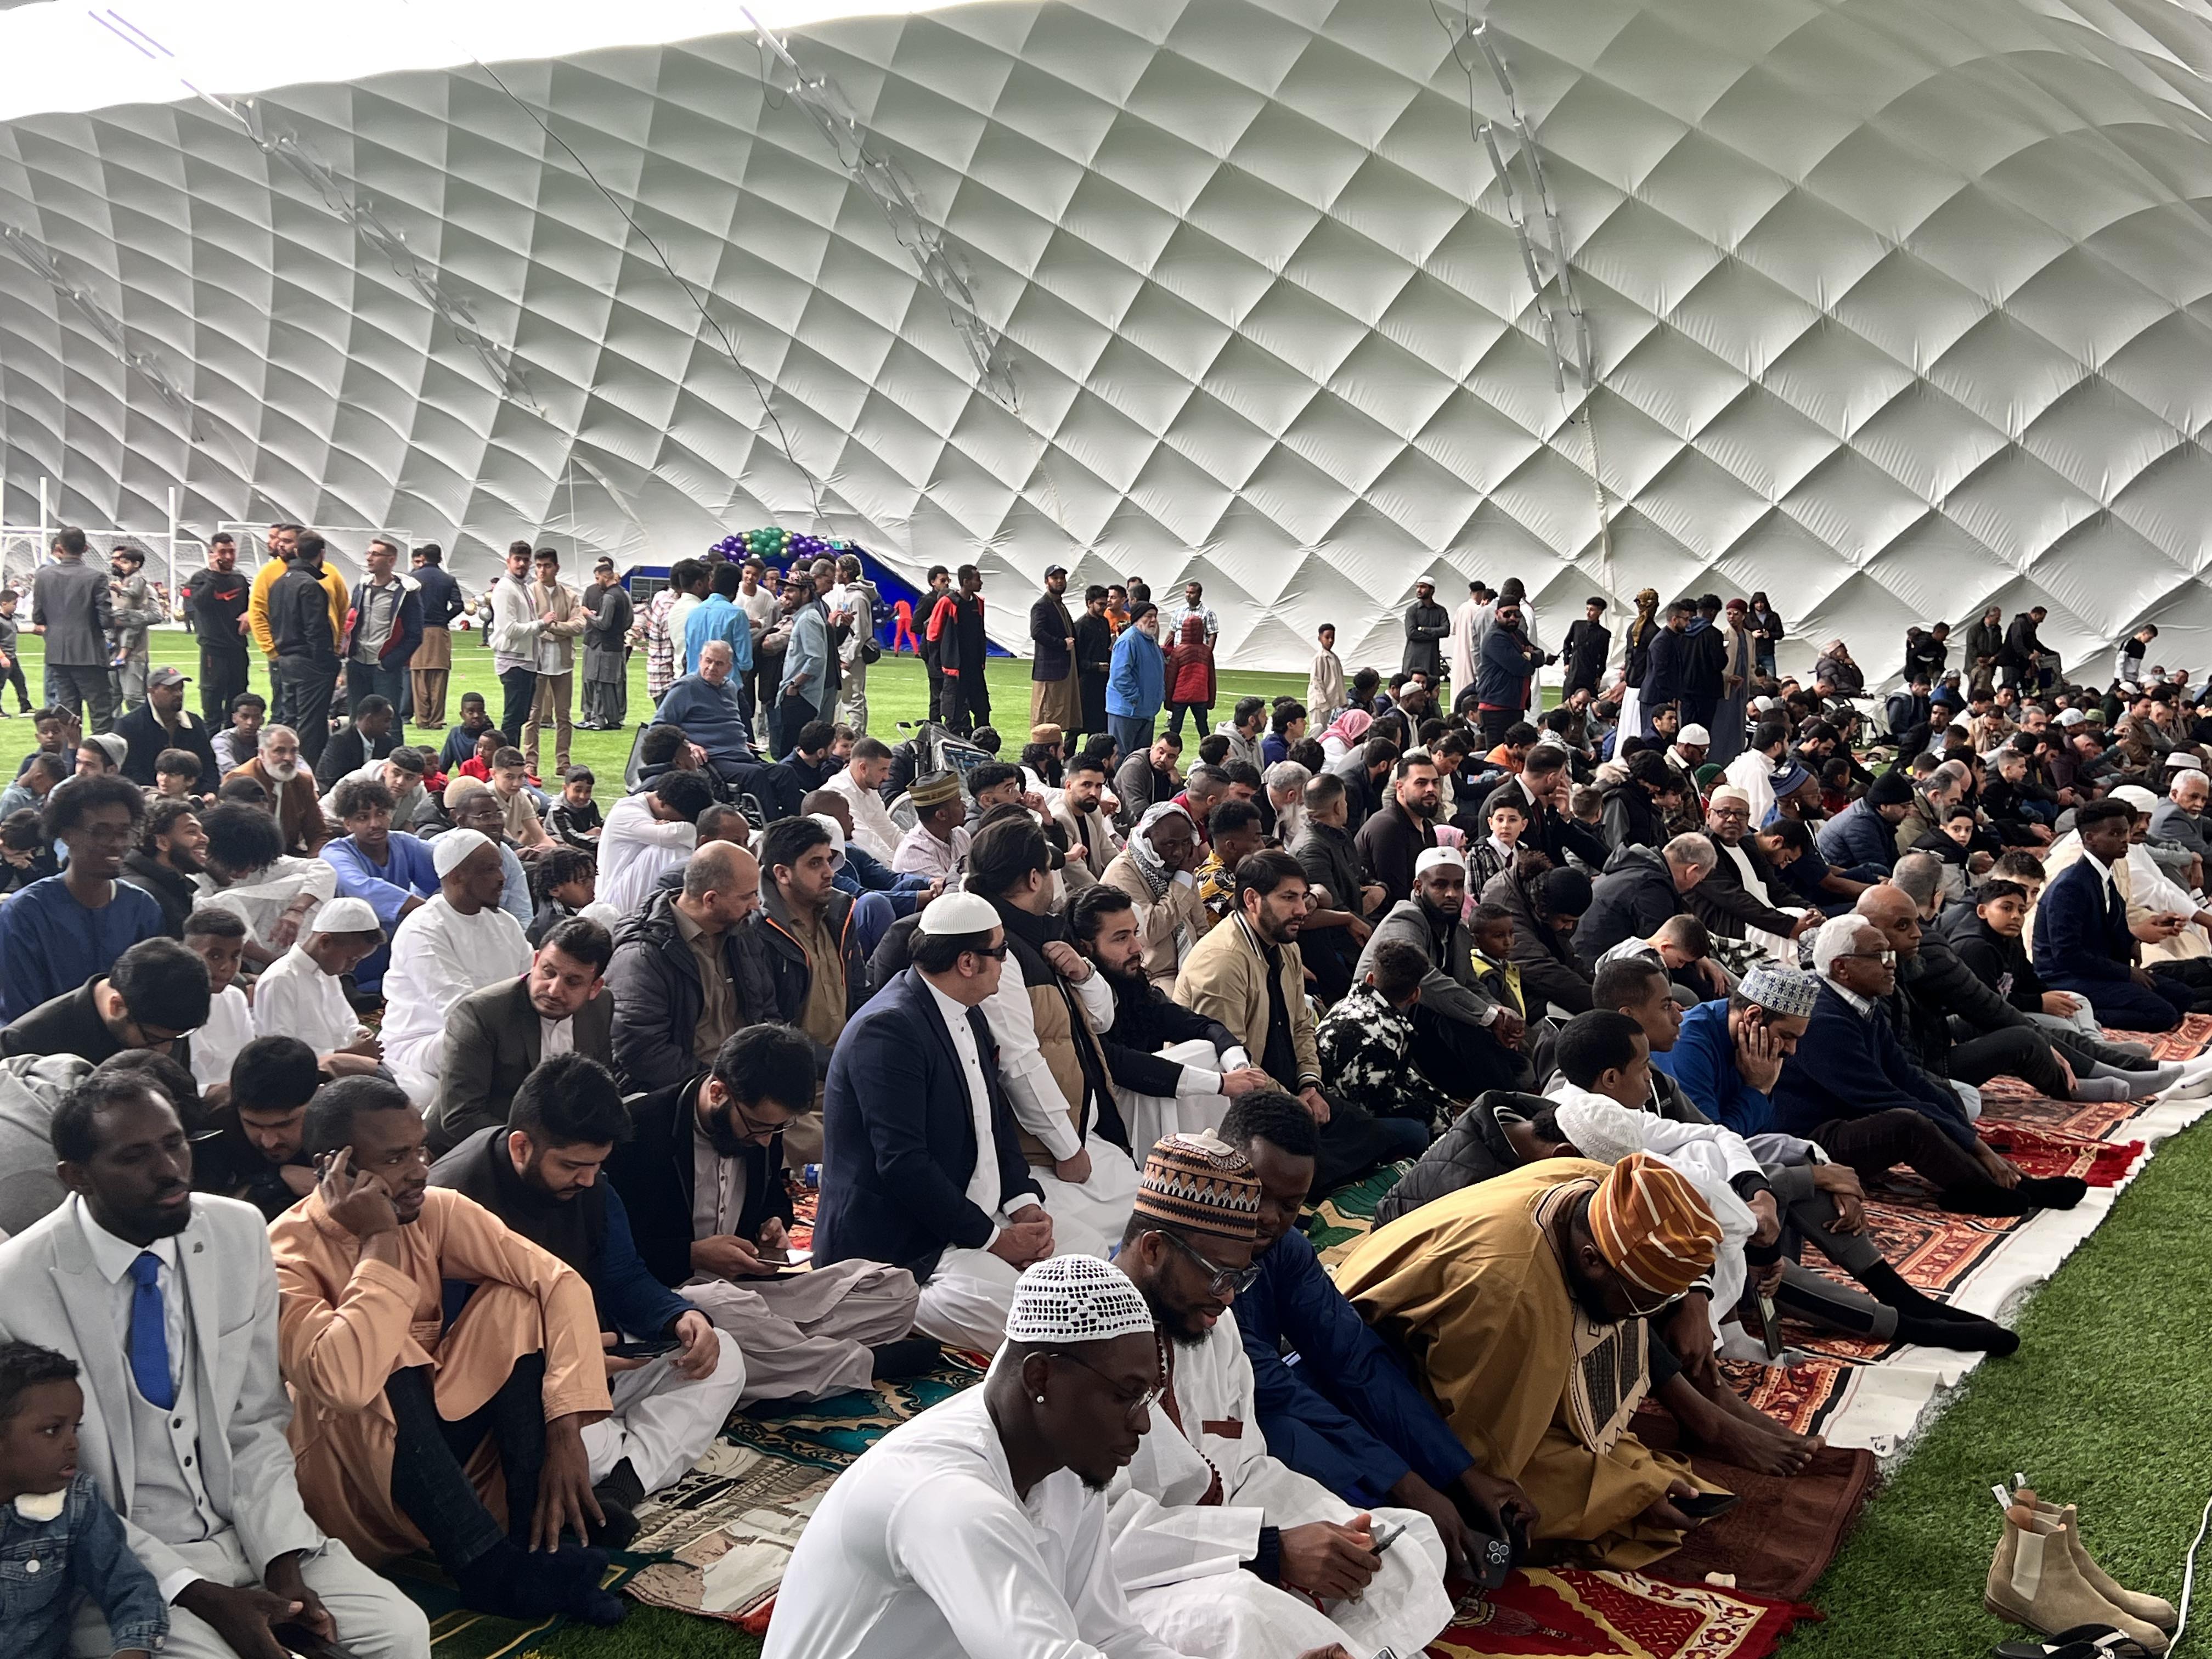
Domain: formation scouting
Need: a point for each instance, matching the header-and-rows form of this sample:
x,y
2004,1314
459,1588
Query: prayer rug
x,y
1566,1613
1783,1530
726,1529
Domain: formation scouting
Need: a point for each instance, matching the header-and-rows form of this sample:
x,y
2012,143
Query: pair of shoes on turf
x,y
2043,1577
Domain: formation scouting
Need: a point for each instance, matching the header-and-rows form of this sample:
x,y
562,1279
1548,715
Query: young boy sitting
x,y
176,774
60,1541
217,937
519,804
461,742
1500,850
561,883
302,994
482,755
573,820
1495,971
1366,1044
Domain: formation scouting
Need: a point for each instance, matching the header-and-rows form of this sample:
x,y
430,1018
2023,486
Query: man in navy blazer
x,y
2083,943
1851,1088
921,1164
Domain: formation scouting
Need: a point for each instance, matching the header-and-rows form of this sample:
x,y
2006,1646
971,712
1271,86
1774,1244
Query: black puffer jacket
x,y
655,981
1473,1150
1628,900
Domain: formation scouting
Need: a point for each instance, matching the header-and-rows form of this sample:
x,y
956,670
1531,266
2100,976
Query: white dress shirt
x,y
983,1188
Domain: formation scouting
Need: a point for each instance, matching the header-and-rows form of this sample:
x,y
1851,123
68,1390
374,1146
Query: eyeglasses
x,y
996,952
1887,958
1130,1405
1224,1281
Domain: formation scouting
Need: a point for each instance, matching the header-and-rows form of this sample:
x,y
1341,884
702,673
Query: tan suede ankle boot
x,y
2148,1609
2033,1581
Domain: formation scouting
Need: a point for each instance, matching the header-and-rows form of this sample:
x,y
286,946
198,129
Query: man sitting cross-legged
x,y
921,1166
981,1526
1173,1069
541,1174
703,1180
395,1406
168,1301
1203,1499
1525,1298
1333,1401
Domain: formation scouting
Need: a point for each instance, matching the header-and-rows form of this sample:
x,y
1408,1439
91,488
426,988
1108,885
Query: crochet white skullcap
x,y
1075,1298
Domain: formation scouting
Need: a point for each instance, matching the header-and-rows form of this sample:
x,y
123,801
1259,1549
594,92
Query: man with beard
x,y
161,722
702,1179
166,859
392,873
1333,1401
540,1174
215,596
1525,1296
1155,869
392,1402
496,1037
1391,840
277,768
1173,1069
60,930
1247,975
1465,1041
306,619
1221,1547
1091,844
132,1278
1008,1552
459,942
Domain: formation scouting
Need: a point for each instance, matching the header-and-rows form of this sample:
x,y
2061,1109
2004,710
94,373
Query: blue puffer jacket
x,y
1858,835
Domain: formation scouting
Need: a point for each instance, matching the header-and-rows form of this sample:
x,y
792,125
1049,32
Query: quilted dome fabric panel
x,y
1891,312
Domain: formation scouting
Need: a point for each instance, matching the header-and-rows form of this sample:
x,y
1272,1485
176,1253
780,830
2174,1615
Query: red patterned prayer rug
x,y
1565,1612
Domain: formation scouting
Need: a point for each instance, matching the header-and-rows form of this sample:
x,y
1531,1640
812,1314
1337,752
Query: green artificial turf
x,y
898,690
2105,1405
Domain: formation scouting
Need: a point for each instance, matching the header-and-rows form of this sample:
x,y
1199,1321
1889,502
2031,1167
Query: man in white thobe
x,y
978,1529
1462,658
459,942
643,838
1203,1497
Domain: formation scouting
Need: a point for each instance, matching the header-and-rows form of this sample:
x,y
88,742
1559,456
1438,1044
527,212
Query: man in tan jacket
x,y
412,1428
555,604
1247,975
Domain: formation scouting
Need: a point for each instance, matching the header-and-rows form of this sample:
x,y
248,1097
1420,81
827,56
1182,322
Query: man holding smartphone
x,y
674,1378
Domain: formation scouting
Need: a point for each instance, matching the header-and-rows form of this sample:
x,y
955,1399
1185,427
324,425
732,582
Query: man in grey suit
x,y
167,1299
495,1037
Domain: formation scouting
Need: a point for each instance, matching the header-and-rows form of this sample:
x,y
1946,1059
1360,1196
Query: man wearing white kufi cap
x,y
299,995
980,1527
459,942
1221,1547
921,1165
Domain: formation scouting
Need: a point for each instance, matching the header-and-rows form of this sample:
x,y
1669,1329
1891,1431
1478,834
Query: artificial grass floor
x,y
2105,1405
898,689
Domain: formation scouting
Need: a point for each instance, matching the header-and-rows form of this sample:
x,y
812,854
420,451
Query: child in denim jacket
x,y
59,1541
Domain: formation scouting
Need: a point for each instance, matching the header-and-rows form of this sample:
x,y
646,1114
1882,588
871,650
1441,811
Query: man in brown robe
x,y
1522,1301
411,1427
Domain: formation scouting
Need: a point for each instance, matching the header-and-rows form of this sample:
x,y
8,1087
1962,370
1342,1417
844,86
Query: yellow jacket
x,y
256,602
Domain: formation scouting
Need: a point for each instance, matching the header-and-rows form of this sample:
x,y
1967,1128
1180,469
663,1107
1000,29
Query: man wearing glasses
x,y
921,1163
701,1178
1742,898
1221,1547
1852,1089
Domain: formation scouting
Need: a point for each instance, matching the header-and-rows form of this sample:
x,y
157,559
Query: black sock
x,y
2052,1191
619,1495
1985,1198
1964,1332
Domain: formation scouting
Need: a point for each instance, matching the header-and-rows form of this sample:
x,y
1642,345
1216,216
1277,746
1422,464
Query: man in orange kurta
x,y
412,1428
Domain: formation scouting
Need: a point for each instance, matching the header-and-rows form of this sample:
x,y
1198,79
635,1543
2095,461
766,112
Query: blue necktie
x,y
149,1334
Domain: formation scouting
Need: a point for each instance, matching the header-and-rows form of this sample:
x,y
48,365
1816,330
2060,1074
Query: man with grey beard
x,y
278,767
